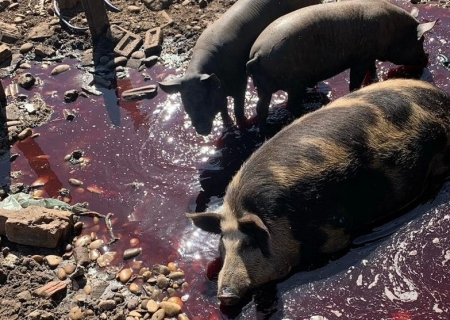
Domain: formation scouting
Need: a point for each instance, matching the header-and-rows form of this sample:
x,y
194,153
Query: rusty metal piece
x,y
145,92
46,291
97,18
128,44
152,42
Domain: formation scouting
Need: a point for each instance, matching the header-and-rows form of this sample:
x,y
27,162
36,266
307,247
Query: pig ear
x,y
424,27
210,79
415,12
207,221
171,86
252,225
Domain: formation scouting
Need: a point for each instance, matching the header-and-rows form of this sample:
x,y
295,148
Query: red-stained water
x,y
151,143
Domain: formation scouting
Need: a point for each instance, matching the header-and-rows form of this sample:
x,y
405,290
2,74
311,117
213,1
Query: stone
x,y
53,260
134,9
59,69
5,52
152,306
36,226
24,296
125,275
157,5
42,51
40,315
128,44
81,255
170,308
26,80
9,33
26,47
107,304
138,55
41,32
76,313
158,315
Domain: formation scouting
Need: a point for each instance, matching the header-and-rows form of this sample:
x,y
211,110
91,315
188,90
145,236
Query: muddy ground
x,y
32,32
84,293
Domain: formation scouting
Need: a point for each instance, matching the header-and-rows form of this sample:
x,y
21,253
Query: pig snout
x,y
202,128
228,296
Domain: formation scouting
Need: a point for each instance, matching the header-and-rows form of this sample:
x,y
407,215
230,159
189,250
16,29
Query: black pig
x,y
217,68
317,42
330,173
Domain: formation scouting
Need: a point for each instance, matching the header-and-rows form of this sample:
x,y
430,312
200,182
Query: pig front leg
x,y
226,119
239,104
262,108
295,101
358,74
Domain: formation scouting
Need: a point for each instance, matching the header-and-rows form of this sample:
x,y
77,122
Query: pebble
x,y
38,258
24,296
87,289
134,288
176,274
107,304
172,266
53,260
25,134
26,47
182,316
18,19
59,69
134,9
135,314
158,315
125,275
170,308
25,65
176,300
131,253
161,281
106,258
96,244
76,313
82,241
61,274
132,304
69,268
75,182
152,306
94,254
77,227
138,55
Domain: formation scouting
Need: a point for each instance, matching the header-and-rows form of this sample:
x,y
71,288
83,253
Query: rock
x,y
81,255
50,288
157,5
24,296
61,274
158,315
131,253
138,55
134,288
69,268
134,9
26,80
162,282
53,261
152,306
94,254
106,259
176,275
125,275
26,47
25,133
42,51
135,314
76,313
71,95
9,33
96,244
40,315
5,52
41,32
182,316
170,308
36,226
132,304
59,69
107,304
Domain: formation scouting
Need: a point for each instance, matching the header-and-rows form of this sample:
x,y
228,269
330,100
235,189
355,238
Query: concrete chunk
x,y
128,44
36,226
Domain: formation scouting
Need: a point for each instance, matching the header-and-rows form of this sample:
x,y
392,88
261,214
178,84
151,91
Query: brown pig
x,y
217,68
319,181
317,42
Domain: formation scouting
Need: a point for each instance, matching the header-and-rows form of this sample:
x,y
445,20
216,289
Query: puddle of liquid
x,y
150,145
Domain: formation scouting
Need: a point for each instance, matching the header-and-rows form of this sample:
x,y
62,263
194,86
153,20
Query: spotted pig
x,y
311,187
317,42
217,68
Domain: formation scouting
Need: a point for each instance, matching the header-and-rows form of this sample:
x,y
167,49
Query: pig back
x,y
230,38
353,162
317,42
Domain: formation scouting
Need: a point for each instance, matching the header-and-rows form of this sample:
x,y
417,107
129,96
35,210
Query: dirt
x,y
87,293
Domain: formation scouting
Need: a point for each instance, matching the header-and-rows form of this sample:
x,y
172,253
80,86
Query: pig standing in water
x,y
217,68
315,43
326,176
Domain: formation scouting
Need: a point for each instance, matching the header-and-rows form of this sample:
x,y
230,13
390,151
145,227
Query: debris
x,y
50,288
145,92
128,44
169,20
152,42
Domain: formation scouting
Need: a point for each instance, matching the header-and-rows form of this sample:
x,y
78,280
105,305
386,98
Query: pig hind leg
x,y
239,103
296,100
262,107
358,74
